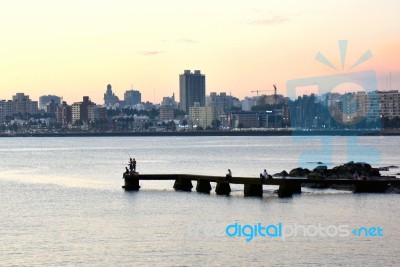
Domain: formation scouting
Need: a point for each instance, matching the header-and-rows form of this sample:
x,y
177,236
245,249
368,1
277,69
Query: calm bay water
x,y
61,203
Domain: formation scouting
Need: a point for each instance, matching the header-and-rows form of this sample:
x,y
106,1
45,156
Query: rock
x,y
322,167
347,170
319,162
315,175
281,174
299,172
387,168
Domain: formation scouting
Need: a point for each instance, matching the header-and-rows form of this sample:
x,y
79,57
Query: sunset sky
x,y
74,48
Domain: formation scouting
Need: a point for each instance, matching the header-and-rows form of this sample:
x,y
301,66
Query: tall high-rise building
x,y
192,88
132,97
110,99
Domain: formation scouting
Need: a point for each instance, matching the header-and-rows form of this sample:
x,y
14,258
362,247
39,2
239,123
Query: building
x,y
192,88
64,114
389,103
51,107
97,113
222,100
46,99
200,116
6,109
110,99
244,119
132,97
23,105
248,103
166,113
80,110
167,100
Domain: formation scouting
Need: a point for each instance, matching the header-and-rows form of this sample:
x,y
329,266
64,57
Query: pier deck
x,y
254,186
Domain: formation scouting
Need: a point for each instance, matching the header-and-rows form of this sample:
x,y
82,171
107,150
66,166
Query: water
x,y
61,203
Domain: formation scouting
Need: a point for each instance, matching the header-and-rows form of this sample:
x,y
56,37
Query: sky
x,y
74,48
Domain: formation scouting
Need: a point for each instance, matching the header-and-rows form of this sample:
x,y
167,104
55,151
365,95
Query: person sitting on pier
x,y
264,174
229,175
126,170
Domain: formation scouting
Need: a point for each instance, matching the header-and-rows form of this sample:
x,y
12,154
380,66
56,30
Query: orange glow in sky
x,y
75,48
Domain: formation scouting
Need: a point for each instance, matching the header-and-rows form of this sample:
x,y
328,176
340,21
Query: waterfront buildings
x,y
132,97
110,99
22,104
192,88
97,113
64,114
221,100
80,110
6,109
200,116
44,100
166,113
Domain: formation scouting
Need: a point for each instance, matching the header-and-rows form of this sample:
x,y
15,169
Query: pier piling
x,y
183,184
223,188
203,186
131,182
253,190
288,188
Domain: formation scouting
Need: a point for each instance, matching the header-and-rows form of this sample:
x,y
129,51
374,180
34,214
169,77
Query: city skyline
x,y
74,49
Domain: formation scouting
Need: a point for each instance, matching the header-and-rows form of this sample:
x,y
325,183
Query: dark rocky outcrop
x,y
345,171
281,174
299,172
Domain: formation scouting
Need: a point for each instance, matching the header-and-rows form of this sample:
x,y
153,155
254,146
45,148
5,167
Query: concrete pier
x,y
254,186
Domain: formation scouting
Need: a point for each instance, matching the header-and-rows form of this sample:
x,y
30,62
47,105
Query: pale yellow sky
x,y
75,48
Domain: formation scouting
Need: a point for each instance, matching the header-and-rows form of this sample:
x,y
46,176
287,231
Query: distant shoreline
x,y
214,133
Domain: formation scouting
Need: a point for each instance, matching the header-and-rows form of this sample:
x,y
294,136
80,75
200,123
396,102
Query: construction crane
x,y
256,91
275,102
275,94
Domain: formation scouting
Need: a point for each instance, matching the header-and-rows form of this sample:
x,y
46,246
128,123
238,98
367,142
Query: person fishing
x,y
134,165
131,169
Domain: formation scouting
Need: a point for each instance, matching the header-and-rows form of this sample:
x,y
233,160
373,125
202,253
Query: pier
x,y
254,186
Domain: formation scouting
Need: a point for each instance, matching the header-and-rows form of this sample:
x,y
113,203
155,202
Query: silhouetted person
x,y
134,165
131,164
229,175
264,174
126,170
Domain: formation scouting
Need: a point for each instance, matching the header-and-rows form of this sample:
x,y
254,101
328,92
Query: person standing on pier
x,y
130,165
229,175
134,165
